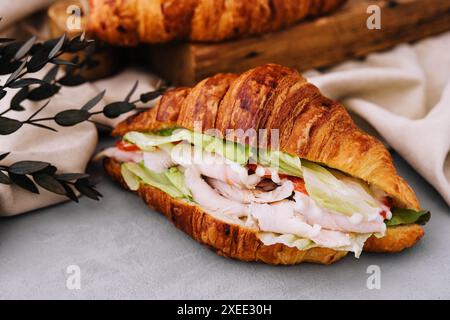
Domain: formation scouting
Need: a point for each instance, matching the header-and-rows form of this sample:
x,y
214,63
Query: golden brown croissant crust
x,y
237,242
129,22
310,125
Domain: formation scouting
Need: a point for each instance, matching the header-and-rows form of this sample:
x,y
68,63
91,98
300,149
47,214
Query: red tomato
x,y
299,184
125,146
388,202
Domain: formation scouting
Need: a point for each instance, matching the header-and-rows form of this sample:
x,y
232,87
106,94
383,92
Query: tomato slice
x,y
299,184
388,202
126,146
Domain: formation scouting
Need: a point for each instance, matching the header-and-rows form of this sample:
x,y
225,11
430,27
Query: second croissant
x,y
129,22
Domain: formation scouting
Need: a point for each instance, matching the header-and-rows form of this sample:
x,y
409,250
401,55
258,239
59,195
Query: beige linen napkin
x,y
405,95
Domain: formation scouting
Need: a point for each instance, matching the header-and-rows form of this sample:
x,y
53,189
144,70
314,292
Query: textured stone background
x,y
126,251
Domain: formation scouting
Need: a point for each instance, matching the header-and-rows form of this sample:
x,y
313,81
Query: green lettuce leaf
x,y
157,180
130,178
290,240
345,195
176,177
285,163
148,141
232,151
406,216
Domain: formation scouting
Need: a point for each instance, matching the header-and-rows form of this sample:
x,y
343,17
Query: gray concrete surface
x,y
126,251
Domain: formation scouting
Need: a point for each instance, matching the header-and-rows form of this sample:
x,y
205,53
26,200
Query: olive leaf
x,y
85,189
43,92
39,59
25,48
18,98
133,89
71,80
69,192
94,101
50,76
115,109
4,179
71,176
20,83
146,97
78,43
7,67
71,117
4,155
61,62
8,125
49,183
14,75
57,47
27,167
23,182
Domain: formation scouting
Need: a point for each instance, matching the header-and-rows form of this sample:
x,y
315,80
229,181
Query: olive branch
x,y
19,59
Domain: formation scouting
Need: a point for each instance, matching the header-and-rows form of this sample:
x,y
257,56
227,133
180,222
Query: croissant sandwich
x,y
262,167
129,22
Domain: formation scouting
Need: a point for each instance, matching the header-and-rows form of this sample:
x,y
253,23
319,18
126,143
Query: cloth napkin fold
x,y
405,95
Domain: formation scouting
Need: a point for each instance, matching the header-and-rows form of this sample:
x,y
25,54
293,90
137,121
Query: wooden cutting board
x,y
313,44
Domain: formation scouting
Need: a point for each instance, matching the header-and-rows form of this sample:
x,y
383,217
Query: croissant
x,y
129,22
309,125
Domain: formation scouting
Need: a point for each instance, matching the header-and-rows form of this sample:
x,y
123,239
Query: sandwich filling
x,y
284,198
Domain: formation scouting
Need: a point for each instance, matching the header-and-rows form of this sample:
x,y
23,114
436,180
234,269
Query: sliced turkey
x,y
253,195
334,221
208,198
120,155
158,160
214,166
281,218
